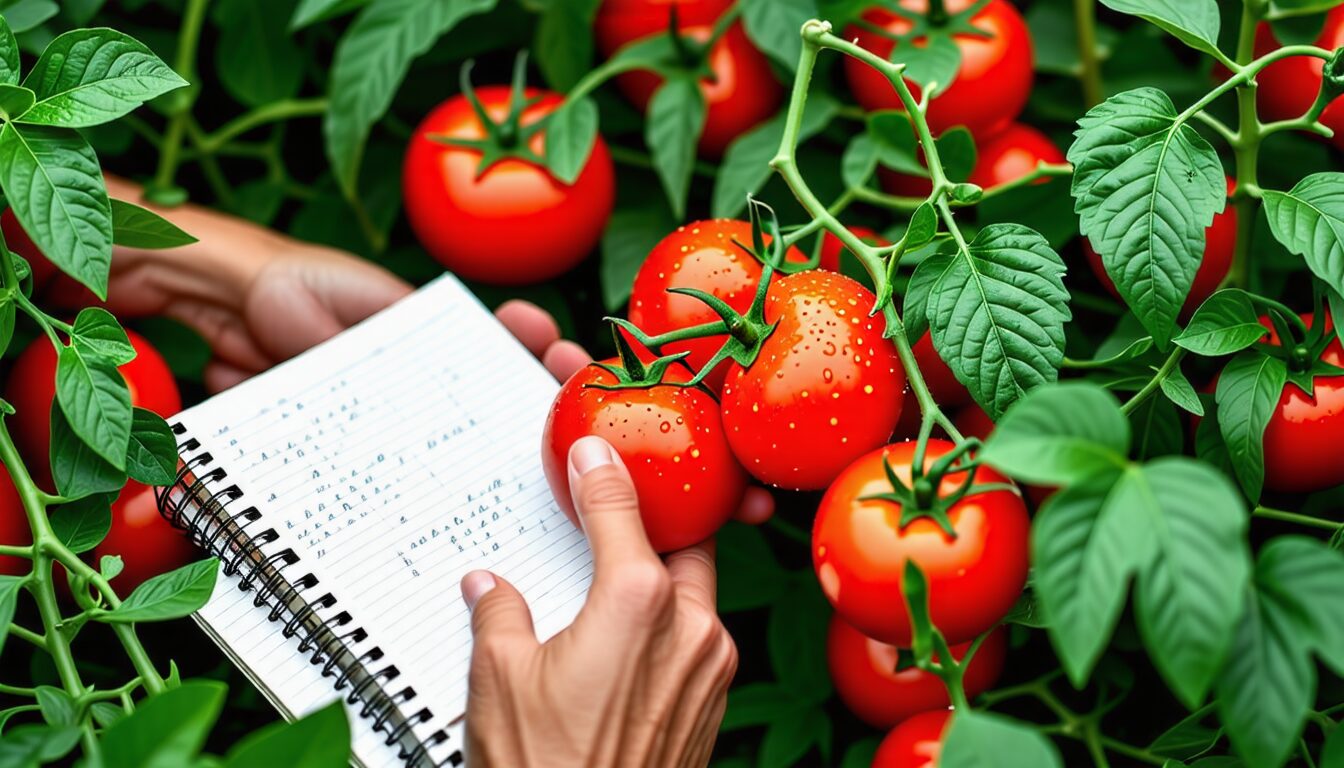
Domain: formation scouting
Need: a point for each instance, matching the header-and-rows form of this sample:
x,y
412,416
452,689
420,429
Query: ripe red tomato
x,y
859,550
18,241
1288,87
1220,245
832,249
32,387
915,743
1302,434
865,676
148,544
670,439
825,389
991,86
1000,159
742,94
514,223
698,255
14,529
624,21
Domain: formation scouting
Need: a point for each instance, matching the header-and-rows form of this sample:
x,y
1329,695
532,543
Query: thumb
x,y
499,614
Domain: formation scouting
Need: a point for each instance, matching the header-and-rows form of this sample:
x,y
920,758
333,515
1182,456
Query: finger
x,y
564,358
224,330
531,324
758,506
608,509
220,376
499,614
694,574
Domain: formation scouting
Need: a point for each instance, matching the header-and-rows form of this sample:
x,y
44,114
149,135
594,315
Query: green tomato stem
x,y
1085,28
28,636
189,37
1297,518
1172,362
286,109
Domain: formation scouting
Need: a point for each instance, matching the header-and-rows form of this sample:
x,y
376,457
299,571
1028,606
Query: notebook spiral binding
x,y
201,503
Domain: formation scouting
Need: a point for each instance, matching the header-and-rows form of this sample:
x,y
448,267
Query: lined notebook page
x,y
394,459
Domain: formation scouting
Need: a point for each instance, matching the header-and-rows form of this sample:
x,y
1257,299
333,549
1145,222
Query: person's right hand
x,y
639,679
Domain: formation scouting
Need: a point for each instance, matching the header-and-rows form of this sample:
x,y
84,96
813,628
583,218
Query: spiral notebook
x,y
348,491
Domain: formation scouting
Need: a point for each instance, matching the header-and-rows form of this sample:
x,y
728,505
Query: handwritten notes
x,y
393,460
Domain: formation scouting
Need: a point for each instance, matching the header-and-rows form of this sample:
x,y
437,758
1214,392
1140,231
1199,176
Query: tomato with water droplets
x,y
825,388
915,743
670,438
992,83
700,255
512,223
868,682
859,549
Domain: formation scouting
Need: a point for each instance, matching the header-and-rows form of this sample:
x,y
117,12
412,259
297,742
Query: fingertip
x,y
758,506
564,358
475,585
533,326
218,376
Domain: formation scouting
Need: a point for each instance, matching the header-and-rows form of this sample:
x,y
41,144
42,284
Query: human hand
x,y
641,676
259,297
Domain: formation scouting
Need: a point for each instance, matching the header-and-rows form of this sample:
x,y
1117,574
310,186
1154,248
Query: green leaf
x,y
9,54
983,740
170,595
98,334
26,15
318,740
757,704
1158,429
310,11
96,401
792,736
775,27
746,164
151,455
369,64
33,745
1085,548
1303,576
796,641
110,566
105,713
1248,393
1193,22
956,148
54,184
77,469
676,118
57,706
167,730
1178,390
15,101
998,309
630,234
571,133
1188,738
8,314
9,602
1189,597
1225,323
1309,221
136,227
88,77
859,161
1332,755
257,58
860,754
896,142
564,43
1268,685
1060,434
923,227
1146,190
82,525
749,575
935,61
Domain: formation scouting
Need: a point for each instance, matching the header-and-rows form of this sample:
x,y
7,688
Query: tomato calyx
x,y
921,497
1332,79
632,373
1301,344
507,138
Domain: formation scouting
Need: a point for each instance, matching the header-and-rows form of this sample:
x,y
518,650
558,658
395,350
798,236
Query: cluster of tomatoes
x,y
146,543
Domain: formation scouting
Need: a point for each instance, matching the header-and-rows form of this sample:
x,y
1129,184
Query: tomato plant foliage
x,y
1171,419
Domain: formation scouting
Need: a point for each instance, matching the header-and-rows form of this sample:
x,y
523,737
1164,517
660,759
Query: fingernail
x,y
475,585
589,453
